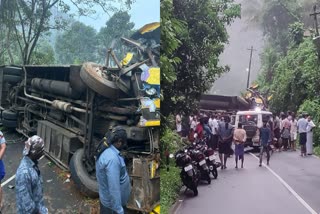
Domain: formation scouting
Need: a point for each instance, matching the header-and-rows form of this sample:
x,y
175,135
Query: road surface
x,y
289,185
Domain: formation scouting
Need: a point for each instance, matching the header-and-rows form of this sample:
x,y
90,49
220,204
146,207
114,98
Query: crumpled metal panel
x,y
58,142
145,194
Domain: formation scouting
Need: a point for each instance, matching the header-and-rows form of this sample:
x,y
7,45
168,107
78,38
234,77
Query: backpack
x,y
103,144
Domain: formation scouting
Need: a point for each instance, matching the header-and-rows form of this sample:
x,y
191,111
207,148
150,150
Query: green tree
x,y
7,44
296,78
170,29
312,107
77,44
26,21
43,54
201,44
117,26
296,31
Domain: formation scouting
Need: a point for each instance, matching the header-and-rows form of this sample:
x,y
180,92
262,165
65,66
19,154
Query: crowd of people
x,y
277,134
287,128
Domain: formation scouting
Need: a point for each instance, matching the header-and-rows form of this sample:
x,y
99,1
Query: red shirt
x,y
199,130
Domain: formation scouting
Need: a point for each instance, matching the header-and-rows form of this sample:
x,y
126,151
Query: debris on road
x,y
50,164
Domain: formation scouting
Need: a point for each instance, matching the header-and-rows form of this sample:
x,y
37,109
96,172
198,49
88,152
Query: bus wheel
x,y
85,183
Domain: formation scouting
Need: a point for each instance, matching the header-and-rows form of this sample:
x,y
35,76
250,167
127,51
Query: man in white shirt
x,y
302,129
213,123
190,119
179,123
293,132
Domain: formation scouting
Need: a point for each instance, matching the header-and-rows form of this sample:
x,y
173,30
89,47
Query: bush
x,y
170,185
312,107
317,151
169,141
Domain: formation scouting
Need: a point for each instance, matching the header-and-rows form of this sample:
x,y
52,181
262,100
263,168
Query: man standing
x,y
112,176
285,132
200,128
265,134
208,133
276,131
302,129
309,144
213,123
29,191
179,123
190,119
226,135
239,138
2,168
293,132
192,129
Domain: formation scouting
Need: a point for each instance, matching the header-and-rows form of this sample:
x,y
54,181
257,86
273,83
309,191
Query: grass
x,y
317,151
170,185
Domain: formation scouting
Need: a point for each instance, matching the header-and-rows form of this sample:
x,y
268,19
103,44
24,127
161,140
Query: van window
x,y
245,119
233,120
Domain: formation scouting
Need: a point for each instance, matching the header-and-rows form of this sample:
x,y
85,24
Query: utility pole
x,y
251,50
315,18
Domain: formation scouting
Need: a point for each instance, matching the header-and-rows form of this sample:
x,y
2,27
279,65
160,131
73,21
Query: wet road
x,y
290,185
60,197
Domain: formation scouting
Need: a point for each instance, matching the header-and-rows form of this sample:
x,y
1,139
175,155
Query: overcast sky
x,y
142,12
242,35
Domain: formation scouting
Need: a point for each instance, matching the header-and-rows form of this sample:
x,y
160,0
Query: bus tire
x,y
9,115
9,123
80,176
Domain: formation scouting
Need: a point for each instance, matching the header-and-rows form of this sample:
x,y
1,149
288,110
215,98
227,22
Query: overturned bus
x,y
72,107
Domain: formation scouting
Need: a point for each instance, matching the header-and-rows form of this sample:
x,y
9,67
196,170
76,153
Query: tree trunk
x,y
8,46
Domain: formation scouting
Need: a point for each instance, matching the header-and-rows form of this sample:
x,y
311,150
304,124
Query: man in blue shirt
x,y
113,180
2,169
29,192
265,134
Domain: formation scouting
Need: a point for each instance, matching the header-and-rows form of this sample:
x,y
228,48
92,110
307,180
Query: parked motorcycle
x,y
200,159
210,157
211,161
189,173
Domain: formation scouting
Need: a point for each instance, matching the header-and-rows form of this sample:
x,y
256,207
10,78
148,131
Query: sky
x,y
242,36
142,12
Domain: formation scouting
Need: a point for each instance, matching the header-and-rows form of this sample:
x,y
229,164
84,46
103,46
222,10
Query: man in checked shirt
x,y
29,192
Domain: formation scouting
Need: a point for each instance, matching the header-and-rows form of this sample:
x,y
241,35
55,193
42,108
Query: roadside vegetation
x,y
170,186
193,35
170,183
290,62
